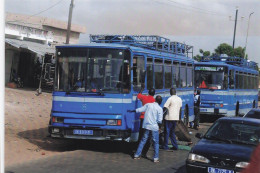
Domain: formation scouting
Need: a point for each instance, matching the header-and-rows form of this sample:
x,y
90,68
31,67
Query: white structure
x,y
30,43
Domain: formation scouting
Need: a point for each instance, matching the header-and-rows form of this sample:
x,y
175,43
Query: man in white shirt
x,y
152,119
173,104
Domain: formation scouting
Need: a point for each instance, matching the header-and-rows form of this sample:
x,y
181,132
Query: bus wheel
x,y
254,104
237,109
186,116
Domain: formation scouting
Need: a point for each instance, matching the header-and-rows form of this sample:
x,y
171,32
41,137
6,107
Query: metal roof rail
x,y
152,42
238,61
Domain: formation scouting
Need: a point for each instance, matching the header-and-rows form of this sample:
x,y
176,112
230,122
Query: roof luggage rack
x,y
152,42
238,61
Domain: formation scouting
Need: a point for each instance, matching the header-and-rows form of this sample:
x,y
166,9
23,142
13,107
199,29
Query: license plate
x,y
82,132
217,170
203,110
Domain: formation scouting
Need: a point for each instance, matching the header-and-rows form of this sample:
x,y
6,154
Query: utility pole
x,y
69,22
234,37
247,32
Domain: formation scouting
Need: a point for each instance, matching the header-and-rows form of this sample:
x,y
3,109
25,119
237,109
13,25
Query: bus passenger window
x,y
189,75
168,74
225,82
231,79
149,69
158,73
183,75
176,74
138,72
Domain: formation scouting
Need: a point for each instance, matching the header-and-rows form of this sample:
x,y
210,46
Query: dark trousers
x,y
141,134
197,116
169,127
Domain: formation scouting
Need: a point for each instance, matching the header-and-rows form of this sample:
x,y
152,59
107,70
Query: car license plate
x,y
82,132
217,170
203,110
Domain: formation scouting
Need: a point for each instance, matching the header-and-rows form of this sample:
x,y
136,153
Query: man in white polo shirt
x,y
173,104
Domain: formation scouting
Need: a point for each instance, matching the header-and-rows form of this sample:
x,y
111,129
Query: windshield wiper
x,y
218,139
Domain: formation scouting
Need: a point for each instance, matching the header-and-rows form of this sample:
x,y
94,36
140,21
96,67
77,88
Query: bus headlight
x,y
114,122
219,105
57,120
197,158
242,164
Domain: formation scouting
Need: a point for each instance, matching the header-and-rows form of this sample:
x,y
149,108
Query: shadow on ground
x,y
40,138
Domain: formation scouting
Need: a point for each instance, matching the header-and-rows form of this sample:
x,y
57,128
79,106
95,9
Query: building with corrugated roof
x,y
30,46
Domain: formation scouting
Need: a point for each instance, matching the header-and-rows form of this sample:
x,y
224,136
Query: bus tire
x,y
186,116
237,110
254,104
182,132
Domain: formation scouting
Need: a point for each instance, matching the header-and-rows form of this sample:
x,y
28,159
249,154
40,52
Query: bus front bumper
x,y
216,111
89,133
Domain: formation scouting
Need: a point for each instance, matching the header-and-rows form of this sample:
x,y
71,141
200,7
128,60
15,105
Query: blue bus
x,y
96,83
228,85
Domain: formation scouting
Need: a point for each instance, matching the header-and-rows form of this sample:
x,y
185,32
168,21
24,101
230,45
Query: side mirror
x,y
199,135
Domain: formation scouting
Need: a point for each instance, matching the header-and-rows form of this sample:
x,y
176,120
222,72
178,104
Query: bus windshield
x,y
92,70
210,77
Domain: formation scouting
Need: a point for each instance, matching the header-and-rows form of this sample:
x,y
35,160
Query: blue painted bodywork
x,y
91,111
230,98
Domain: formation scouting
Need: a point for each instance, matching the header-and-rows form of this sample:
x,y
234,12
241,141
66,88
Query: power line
x,y
39,12
46,9
190,7
197,8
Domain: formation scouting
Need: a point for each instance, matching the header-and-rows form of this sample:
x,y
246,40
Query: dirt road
x,y
26,121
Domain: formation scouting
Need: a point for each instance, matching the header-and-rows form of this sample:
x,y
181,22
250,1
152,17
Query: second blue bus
x,y
229,85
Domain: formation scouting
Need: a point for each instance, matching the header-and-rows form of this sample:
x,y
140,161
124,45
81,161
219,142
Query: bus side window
x,y
158,73
138,72
231,79
225,83
183,75
149,69
167,74
176,74
237,80
189,75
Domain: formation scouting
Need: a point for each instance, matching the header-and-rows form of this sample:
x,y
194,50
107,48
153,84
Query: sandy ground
x,y
26,121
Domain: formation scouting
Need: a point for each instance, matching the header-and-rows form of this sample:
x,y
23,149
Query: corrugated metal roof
x,y
38,48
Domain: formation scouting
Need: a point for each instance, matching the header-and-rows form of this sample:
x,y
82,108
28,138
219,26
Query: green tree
x,y
239,52
206,53
203,53
224,48
197,58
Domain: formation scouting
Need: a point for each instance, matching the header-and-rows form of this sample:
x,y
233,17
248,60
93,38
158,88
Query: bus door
x,y
138,79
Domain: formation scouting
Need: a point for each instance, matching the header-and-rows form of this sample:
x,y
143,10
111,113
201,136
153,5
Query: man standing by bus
x,y
145,99
173,104
152,121
197,110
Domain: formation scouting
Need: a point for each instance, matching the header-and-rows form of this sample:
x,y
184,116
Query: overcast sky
x,y
201,23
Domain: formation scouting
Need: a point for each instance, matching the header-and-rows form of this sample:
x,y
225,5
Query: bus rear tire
x,y
254,104
237,110
186,116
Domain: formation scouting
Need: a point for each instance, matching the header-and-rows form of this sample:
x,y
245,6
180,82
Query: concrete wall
x,y
59,35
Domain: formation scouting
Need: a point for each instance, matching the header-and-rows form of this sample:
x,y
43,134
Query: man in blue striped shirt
x,y
152,120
